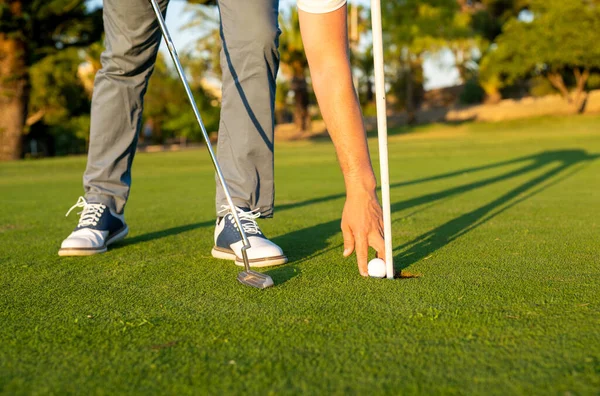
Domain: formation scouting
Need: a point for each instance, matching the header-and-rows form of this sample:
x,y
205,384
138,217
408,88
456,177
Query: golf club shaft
x,y
188,91
382,133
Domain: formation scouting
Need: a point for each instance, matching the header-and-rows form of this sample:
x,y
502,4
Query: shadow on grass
x,y
305,244
162,233
311,240
426,244
403,205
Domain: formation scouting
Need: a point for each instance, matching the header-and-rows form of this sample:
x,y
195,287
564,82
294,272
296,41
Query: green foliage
x,y
294,66
473,93
423,25
49,26
71,136
39,29
541,86
291,47
594,81
363,61
58,95
207,50
166,104
416,28
282,102
370,109
56,88
408,87
489,16
562,36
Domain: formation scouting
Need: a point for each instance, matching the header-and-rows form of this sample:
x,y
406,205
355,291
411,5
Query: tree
x,y
414,29
294,66
165,100
207,51
560,41
293,60
364,61
92,64
487,20
361,49
59,104
489,16
30,31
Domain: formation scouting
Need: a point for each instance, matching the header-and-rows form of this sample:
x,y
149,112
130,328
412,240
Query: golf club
x,y
382,133
247,277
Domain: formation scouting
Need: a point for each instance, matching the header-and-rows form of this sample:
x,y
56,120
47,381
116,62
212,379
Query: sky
x,y
438,73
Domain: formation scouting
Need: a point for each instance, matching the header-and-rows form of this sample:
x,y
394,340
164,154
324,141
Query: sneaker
x,y
228,241
98,227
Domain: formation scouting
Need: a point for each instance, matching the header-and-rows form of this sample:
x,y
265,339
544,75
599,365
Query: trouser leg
x,y
132,41
250,61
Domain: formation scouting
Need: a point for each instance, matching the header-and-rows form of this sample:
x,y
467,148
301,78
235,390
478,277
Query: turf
x,y
502,221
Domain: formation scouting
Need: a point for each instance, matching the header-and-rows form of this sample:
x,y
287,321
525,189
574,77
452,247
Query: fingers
x,y
348,240
362,255
362,228
377,242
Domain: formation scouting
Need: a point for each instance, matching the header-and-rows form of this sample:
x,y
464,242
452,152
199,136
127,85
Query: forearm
x,y
326,45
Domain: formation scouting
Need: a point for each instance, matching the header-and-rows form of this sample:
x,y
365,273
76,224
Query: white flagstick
x,y
382,134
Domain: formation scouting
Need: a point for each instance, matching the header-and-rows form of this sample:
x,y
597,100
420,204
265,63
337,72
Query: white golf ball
x,y
376,268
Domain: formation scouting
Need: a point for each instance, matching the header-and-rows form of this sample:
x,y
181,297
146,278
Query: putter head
x,y
255,279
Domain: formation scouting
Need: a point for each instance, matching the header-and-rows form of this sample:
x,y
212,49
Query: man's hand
x,y
362,226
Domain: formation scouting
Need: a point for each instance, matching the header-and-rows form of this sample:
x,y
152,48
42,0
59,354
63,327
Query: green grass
x,y
502,221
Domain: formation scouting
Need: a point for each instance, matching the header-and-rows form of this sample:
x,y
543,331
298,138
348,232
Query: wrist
x,y
360,183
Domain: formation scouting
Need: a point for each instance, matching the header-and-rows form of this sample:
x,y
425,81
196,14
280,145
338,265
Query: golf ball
x,y
376,268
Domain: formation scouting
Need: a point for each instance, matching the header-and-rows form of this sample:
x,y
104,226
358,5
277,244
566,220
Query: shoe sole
x,y
225,254
66,252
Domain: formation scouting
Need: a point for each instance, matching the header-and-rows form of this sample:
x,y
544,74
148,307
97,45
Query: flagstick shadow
x,y
313,241
430,198
306,242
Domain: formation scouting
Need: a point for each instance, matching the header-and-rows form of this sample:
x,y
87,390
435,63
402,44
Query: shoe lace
x,y
248,219
90,214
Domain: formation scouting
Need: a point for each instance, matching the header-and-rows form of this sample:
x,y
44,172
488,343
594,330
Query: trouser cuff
x,y
265,212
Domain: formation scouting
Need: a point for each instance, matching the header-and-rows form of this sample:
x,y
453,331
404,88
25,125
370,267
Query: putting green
x,y
501,220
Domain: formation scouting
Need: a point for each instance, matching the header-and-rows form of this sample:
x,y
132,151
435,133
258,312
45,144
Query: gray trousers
x,y
250,61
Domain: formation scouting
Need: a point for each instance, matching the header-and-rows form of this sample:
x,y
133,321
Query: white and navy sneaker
x,y
228,241
98,227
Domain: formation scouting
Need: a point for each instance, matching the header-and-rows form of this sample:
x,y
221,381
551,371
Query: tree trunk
x,y
492,97
370,95
410,97
580,94
300,88
14,94
492,91
557,81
